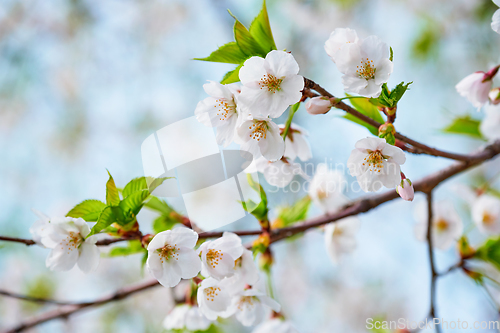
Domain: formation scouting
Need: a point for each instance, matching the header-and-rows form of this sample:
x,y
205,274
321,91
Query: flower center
x,y
271,82
168,252
225,109
441,225
211,293
72,241
374,160
488,218
213,257
366,69
259,130
245,301
238,262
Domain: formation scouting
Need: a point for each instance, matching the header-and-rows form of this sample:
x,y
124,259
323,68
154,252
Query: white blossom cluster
x,y
243,113
231,285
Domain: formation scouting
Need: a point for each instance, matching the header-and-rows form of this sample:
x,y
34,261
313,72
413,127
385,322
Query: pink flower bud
x,y
405,190
494,96
318,105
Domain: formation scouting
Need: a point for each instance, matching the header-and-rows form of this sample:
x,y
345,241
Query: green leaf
x,y
259,210
490,252
106,218
163,222
112,196
141,183
133,247
132,204
465,126
391,57
229,53
159,205
89,210
294,213
136,184
260,29
248,45
232,76
389,138
398,92
364,106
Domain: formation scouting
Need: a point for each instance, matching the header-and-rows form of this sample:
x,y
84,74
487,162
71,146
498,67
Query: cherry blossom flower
x,y
214,298
340,237
187,317
340,38
495,20
270,85
39,228
296,144
219,110
318,105
494,96
245,272
250,306
490,125
66,237
171,256
279,173
261,136
275,325
405,190
475,87
447,226
326,189
366,66
486,214
375,163
218,256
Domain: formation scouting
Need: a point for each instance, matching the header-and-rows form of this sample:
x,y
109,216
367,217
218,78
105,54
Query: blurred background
x,y
83,83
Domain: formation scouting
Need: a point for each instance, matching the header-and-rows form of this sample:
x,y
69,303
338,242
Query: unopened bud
x,y
386,129
465,250
318,105
266,261
391,111
405,190
494,96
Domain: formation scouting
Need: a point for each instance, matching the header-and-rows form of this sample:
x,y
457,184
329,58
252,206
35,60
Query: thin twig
x,y
434,275
65,311
417,147
32,299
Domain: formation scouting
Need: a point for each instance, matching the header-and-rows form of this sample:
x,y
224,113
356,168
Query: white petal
x,y
281,63
189,262
495,21
273,146
62,259
89,257
252,71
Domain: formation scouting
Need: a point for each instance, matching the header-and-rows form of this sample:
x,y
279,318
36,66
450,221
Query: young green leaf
x,y
136,184
232,76
132,204
229,53
364,106
465,126
112,196
106,218
294,213
247,44
260,210
89,210
260,29
398,92
159,205
134,246
490,252
163,222
373,130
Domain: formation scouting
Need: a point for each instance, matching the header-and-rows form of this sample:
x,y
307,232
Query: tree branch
x,y
416,147
67,310
434,274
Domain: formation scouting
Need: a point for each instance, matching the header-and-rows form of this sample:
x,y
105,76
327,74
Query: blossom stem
x,y
288,123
